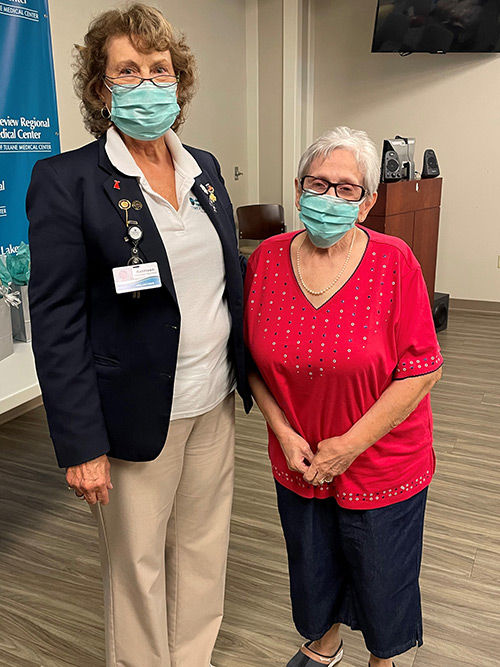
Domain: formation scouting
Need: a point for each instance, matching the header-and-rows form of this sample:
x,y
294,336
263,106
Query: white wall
x,y
216,34
447,102
270,44
281,33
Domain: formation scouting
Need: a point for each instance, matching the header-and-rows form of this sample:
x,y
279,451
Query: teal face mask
x,y
327,219
144,112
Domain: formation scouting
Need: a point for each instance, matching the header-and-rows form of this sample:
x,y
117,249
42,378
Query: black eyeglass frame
x,y
334,186
115,80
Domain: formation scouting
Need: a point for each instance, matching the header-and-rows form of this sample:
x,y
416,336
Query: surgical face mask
x,y
144,112
327,219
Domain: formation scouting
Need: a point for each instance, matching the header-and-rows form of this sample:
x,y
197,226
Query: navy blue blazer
x,y
106,362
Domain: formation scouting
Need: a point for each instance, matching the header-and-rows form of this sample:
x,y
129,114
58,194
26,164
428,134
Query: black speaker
x,y
391,167
431,167
440,310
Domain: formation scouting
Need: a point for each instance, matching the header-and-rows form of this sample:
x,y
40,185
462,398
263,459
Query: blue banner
x,y
29,127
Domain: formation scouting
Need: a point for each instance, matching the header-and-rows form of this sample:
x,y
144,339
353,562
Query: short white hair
x,y
356,141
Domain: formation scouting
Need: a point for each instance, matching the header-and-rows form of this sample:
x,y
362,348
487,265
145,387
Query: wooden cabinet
x,y
410,210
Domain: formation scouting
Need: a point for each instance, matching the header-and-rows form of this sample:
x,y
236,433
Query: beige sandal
x,y
300,659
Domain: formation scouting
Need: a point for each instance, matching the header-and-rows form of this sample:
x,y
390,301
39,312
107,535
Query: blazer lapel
x,y
215,211
117,187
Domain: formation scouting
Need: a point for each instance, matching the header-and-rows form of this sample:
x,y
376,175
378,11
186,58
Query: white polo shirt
x,y
204,375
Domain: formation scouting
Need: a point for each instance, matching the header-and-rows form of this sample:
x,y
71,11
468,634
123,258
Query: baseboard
x,y
475,305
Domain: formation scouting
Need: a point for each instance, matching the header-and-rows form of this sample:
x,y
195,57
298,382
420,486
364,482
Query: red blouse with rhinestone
x,y
327,366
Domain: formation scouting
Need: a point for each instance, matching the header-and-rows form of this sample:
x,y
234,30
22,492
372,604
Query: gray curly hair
x,y
356,141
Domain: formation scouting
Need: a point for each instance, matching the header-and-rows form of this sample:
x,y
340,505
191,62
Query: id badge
x,y
136,277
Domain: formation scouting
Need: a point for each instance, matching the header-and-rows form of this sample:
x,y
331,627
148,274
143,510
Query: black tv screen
x,y
437,26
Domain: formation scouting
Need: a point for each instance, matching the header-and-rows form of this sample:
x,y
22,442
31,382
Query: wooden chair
x,y
258,222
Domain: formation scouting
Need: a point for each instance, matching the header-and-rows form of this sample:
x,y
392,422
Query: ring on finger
x,y
80,495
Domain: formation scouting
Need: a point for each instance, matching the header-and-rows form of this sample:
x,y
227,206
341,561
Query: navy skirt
x,y
357,567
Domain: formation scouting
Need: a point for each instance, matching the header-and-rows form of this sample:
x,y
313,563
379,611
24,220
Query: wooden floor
x,y
50,591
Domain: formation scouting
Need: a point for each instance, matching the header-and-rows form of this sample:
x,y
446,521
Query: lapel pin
x,y
117,185
210,192
136,205
124,204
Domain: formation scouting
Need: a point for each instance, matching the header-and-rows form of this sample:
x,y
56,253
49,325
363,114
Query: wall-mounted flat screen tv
x,y
437,26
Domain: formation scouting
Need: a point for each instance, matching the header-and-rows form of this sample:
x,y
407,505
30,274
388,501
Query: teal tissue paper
x,y
18,265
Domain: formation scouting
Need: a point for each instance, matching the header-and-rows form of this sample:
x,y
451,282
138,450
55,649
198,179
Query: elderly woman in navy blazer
x,y
136,302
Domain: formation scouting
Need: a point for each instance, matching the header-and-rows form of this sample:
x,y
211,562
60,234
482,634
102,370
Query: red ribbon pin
x,y
117,185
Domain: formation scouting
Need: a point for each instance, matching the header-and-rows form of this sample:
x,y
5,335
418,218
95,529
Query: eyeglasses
x,y
320,186
132,81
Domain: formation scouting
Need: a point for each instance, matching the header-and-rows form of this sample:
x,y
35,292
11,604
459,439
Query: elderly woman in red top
x,y
339,325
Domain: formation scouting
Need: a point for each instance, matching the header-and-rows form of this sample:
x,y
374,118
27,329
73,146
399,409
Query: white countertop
x,y
18,380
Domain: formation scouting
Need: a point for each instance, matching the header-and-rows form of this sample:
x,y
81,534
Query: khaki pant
x,y
163,542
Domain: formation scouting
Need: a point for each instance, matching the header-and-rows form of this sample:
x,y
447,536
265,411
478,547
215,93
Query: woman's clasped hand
x,y
332,458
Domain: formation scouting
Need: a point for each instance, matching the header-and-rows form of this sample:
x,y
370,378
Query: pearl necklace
x,y
301,280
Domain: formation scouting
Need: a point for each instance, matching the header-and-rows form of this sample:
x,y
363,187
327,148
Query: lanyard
x,y
134,230
134,234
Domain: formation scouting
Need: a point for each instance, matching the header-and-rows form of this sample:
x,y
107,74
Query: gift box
x,y
21,323
6,343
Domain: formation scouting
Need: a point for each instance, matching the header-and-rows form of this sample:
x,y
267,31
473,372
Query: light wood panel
x,y
50,591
